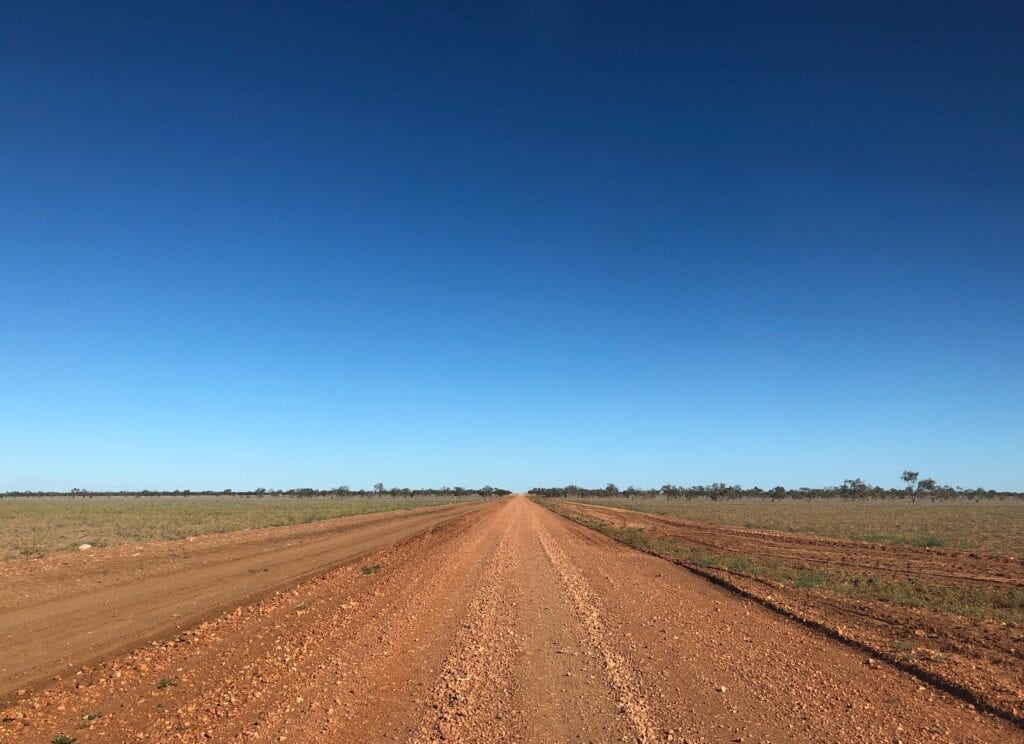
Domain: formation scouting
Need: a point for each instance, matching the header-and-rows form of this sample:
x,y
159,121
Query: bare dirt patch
x,y
65,610
981,658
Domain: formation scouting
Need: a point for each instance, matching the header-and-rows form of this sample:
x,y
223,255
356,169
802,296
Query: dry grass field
x,y
34,526
989,526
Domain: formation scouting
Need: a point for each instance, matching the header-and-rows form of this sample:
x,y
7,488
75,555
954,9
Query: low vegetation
x,y
923,513
852,489
32,525
1005,604
994,527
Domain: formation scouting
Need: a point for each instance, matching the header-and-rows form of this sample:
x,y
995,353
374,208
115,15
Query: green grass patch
x,y
810,578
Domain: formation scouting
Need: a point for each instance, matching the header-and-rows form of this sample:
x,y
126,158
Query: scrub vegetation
x,y
993,526
923,514
34,525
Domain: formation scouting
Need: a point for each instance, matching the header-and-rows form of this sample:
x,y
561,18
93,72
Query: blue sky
x,y
527,244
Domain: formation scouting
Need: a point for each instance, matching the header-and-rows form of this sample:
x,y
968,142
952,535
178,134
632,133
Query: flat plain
x,y
499,621
33,526
992,526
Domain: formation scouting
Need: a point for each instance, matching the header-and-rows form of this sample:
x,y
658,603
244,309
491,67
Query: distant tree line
x,y
852,489
445,492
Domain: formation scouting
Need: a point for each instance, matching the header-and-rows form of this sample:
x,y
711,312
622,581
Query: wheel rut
x,y
584,601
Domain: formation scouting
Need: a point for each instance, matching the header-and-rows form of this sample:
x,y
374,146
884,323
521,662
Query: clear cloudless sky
x,y
531,243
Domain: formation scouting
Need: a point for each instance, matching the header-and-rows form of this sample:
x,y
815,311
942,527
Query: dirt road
x,y
507,624
67,610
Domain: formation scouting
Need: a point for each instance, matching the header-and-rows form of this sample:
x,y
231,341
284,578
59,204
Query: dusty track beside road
x,y
507,624
942,566
66,610
983,659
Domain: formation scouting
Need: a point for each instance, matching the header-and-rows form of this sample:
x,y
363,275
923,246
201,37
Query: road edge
x,y
958,691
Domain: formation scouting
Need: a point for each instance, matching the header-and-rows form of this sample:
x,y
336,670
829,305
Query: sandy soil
x,y
983,660
65,610
507,624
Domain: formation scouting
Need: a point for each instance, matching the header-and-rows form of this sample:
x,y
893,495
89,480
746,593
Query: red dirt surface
x,y
66,610
983,659
508,624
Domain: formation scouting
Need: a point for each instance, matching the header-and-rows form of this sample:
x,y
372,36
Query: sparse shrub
x,y
742,565
63,739
809,579
166,682
705,559
367,570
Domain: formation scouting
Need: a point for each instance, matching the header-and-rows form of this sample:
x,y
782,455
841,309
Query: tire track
x,y
470,700
620,675
388,628
941,565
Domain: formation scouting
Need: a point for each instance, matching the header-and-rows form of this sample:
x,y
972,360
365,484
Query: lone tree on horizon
x,y
910,477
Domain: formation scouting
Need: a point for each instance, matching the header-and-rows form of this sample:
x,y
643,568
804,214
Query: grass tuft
x,y
810,578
